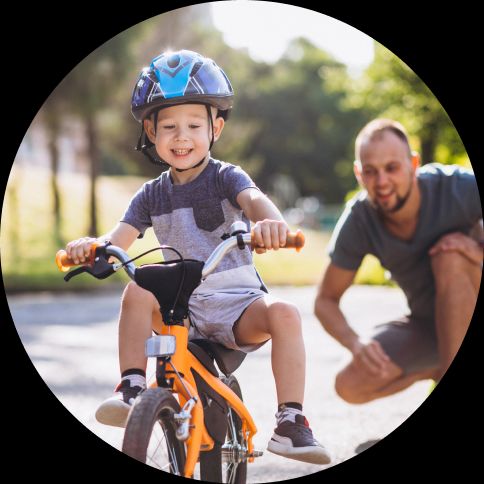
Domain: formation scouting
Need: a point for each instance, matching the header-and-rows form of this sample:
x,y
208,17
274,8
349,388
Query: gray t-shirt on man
x,y
450,203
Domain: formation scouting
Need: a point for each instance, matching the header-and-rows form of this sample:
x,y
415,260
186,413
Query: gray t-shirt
x,y
193,217
450,203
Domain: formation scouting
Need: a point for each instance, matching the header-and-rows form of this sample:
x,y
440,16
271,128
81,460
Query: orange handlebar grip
x,y
294,240
64,263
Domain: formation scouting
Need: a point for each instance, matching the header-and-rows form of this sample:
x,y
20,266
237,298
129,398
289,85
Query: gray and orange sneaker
x,y
114,410
295,440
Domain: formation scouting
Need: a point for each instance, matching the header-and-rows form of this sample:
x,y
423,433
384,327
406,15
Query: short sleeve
x,y
232,180
138,212
466,193
348,243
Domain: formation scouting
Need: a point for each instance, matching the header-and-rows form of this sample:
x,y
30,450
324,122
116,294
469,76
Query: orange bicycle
x,y
189,413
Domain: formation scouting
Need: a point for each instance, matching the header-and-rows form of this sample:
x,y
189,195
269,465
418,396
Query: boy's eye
x,y
194,126
168,126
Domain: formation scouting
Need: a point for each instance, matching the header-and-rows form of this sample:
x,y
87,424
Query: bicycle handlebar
x,y
294,240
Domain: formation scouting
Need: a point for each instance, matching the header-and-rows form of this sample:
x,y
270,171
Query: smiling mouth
x,y
384,196
183,152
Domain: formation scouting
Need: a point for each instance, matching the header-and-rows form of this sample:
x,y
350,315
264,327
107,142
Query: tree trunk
x,y
428,150
94,168
429,141
53,133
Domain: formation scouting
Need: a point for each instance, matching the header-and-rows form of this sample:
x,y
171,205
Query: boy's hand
x,y
80,249
269,234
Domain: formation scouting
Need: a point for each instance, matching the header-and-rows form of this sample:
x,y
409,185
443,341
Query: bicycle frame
x,y
183,361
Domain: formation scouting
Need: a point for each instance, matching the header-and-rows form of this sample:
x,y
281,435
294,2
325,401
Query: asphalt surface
x,y
72,341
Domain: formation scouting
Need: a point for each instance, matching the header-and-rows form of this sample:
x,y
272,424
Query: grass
x,y
28,244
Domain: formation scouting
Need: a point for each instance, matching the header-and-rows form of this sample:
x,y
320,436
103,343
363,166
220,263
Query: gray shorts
x,y
213,316
410,343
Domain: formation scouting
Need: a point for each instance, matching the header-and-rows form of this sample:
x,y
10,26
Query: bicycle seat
x,y
206,351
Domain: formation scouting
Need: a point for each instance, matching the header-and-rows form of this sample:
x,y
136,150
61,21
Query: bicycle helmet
x,y
180,77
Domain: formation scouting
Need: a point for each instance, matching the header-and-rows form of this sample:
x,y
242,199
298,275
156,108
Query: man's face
x,y
387,172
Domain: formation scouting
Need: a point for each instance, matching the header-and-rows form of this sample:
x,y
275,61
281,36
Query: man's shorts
x,y
411,344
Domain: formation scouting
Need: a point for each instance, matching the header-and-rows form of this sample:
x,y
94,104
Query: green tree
x,y
298,126
389,88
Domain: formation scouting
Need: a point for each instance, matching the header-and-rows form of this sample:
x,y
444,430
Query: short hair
x,y
376,129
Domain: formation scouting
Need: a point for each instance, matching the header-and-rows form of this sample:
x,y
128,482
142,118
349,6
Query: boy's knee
x,y
285,314
134,294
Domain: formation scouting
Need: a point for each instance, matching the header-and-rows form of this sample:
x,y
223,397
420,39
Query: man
x,y
417,222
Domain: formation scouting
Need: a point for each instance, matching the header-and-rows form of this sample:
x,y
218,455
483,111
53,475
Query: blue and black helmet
x,y
178,78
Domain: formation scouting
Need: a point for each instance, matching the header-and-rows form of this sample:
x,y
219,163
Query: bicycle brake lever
x,y
75,272
101,269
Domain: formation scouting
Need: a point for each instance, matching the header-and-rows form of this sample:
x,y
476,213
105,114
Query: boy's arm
x,y
123,235
270,228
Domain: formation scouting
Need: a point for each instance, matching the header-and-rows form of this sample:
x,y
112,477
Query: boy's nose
x,y
181,134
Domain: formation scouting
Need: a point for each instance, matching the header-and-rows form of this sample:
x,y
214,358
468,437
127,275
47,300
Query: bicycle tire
x,y
150,435
227,463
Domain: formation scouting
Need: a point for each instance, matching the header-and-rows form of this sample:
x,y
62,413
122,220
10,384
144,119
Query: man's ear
x,y
415,160
149,129
218,126
357,171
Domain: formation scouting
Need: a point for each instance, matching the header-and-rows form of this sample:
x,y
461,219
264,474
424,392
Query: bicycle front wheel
x,y
150,434
227,462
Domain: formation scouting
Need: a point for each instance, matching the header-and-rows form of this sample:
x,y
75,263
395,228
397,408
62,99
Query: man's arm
x,y
332,287
467,246
368,356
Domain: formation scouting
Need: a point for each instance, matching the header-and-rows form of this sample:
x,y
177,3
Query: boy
x,y
182,101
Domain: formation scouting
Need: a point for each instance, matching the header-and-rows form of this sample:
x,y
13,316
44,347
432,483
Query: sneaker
x,y
114,411
295,440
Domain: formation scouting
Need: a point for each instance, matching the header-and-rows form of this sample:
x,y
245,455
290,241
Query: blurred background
x,y
305,84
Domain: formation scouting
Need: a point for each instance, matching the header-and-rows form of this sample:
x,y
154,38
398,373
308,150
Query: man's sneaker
x,y
114,411
295,440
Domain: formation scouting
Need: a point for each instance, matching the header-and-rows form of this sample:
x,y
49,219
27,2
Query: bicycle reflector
x,y
160,345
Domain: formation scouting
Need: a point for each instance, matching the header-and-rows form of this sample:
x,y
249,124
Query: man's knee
x,y
348,387
449,266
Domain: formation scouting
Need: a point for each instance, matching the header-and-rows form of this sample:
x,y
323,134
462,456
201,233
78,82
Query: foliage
x,y
390,89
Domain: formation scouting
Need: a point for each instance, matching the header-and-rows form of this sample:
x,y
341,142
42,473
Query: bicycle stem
x,y
220,251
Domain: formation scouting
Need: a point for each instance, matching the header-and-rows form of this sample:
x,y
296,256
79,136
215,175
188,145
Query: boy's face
x,y
183,134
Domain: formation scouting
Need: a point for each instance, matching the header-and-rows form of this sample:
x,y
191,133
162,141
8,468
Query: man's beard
x,y
401,201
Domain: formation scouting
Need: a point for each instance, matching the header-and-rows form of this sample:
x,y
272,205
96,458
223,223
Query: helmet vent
x,y
173,61
196,68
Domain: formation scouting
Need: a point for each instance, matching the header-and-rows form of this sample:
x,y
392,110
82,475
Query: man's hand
x,y
269,234
371,357
457,241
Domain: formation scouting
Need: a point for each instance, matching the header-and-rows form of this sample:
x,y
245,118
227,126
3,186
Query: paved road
x,y
72,341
